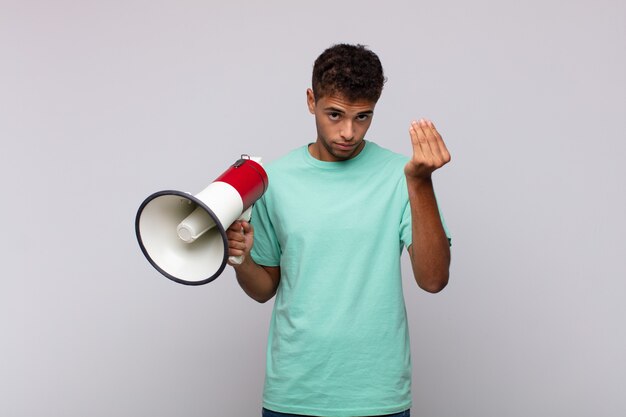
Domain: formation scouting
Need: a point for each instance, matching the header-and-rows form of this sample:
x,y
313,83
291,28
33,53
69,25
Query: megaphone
x,y
183,236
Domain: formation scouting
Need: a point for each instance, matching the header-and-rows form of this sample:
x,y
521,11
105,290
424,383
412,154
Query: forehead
x,y
341,103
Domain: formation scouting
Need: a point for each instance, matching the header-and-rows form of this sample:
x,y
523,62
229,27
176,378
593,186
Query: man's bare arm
x,y
430,250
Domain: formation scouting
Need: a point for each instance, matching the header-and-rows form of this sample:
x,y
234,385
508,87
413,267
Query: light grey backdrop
x,y
103,103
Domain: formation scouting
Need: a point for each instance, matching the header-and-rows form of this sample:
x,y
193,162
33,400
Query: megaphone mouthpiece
x,y
194,225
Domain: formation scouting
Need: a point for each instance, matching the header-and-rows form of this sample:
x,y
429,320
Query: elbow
x,y
434,284
434,289
262,299
431,270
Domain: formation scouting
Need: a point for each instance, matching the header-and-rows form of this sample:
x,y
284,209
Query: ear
x,y
310,100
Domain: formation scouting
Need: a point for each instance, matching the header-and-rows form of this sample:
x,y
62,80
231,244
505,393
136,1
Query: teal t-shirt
x,y
338,341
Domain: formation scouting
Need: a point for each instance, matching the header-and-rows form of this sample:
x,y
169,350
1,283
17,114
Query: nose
x,y
347,130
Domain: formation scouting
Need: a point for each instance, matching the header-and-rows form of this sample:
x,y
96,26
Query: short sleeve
x,y
265,250
406,233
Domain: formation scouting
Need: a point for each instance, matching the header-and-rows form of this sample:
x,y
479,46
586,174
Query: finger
x,y
443,149
419,128
436,135
237,245
235,233
235,252
238,239
235,238
431,139
413,132
418,134
247,227
417,149
236,226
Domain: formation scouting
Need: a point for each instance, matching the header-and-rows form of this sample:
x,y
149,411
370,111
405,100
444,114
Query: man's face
x,y
341,126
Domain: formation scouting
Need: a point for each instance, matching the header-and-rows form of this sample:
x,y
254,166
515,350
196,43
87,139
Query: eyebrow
x,y
336,110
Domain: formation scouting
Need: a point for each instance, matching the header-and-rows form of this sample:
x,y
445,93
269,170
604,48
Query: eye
x,y
362,117
334,115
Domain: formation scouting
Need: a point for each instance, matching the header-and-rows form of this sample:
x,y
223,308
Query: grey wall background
x,y
103,103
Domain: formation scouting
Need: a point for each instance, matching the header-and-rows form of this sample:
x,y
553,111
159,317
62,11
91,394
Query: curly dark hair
x,y
352,71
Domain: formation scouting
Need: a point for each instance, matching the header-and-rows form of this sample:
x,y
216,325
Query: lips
x,y
345,146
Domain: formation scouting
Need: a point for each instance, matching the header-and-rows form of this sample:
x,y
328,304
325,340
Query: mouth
x,y
345,146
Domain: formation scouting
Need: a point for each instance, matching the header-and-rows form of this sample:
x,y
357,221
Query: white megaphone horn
x,y
183,236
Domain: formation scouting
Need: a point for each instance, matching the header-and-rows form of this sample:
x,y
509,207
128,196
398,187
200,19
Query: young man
x,y
327,240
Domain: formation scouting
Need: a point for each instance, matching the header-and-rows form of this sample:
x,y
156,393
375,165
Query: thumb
x,y
247,228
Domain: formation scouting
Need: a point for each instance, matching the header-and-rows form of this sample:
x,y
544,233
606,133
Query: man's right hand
x,y
240,239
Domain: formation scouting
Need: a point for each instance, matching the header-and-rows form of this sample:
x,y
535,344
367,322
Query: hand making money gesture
x,y
429,151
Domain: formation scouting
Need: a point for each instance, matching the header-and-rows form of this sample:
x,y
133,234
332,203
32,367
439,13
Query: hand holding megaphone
x,y
183,236
238,260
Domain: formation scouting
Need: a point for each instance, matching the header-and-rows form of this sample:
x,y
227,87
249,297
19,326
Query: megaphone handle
x,y
245,216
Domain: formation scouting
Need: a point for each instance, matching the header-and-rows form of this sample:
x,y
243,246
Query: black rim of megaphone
x,y
208,210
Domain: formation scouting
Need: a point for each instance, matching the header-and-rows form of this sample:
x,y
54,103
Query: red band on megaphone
x,y
248,178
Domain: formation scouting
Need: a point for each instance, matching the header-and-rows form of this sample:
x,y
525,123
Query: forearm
x,y
260,283
430,250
